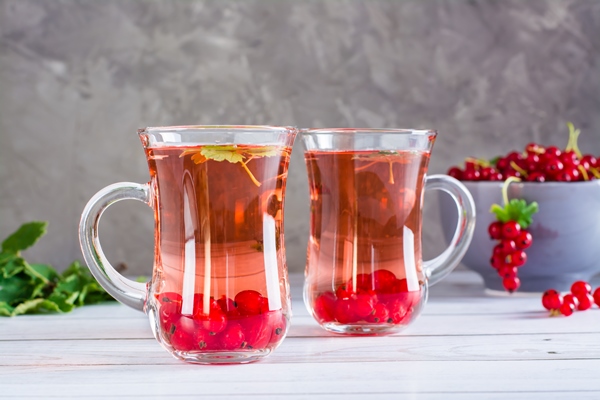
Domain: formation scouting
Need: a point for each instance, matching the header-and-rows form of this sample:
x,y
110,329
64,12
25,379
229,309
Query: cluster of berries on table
x,y
376,298
535,163
580,298
509,254
242,323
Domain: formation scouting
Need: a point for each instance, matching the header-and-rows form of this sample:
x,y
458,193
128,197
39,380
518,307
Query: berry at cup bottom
x,y
378,298
242,323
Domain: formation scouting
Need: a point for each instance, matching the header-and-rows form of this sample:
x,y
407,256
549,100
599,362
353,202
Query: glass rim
x,y
219,128
349,131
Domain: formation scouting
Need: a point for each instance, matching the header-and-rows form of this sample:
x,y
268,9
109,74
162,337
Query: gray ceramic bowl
x,y
566,233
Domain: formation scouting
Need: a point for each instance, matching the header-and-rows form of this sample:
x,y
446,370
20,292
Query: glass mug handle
x,y
128,292
437,268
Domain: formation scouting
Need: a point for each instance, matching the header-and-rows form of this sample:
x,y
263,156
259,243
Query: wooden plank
x,y
137,326
318,350
263,379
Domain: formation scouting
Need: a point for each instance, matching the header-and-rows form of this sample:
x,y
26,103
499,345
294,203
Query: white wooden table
x,y
466,345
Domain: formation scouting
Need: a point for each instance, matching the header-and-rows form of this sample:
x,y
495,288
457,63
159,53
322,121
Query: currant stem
x,y
518,169
507,182
572,143
581,168
257,183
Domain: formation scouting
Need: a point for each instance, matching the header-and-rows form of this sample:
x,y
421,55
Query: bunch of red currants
x,y
580,298
243,323
535,164
509,254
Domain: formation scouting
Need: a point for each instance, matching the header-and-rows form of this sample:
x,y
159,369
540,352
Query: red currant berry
x,y
597,296
569,298
278,327
536,177
498,261
590,160
363,283
486,173
182,337
363,305
257,330
523,240
383,280
344,313
249,302
227,305
568,174
496,176
379,315
233,337
344,292
553,167
552,151
400,286
510,229
511,284
456,172
495,230
580,288
471,175
567,309
534,148
551,300
324,307
507,272
518,258
506,247
214,322
585,301
503,164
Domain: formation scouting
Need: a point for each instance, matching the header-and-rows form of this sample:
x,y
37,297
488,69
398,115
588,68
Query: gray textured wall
x,y
77,78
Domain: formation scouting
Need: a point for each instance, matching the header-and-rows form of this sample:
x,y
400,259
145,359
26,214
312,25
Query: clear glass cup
x,y
365,273
219,291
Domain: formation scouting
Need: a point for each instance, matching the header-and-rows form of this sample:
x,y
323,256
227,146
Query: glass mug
x,y
219,291
364,272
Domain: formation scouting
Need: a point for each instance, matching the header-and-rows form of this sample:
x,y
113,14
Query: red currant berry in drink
x,y
507,272
569,298
510,230
379,315
495,230
344,312
399,286
344,292
551,300
324,307
511,284
249,302
363,304
597,296
227,305
182,336
383,280
278,327
523,240
257,331
233,337
363,283
518,258
580,288
585,301
567,309
456,173
214,322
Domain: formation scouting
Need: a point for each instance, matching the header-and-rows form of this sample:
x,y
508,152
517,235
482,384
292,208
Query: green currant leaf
x,y
5,309
516,210
24,237
262,151
222,153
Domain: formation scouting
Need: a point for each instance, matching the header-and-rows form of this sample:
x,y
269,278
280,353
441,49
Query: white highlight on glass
x,y
410,267
270,258
189,255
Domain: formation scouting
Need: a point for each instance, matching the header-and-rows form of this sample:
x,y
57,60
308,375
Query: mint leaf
x,y
36,306
24,237
222,153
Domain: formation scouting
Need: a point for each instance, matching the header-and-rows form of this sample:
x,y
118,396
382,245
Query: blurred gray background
x,y
77,78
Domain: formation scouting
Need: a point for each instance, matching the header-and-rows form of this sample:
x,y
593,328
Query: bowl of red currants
x,y
538,217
